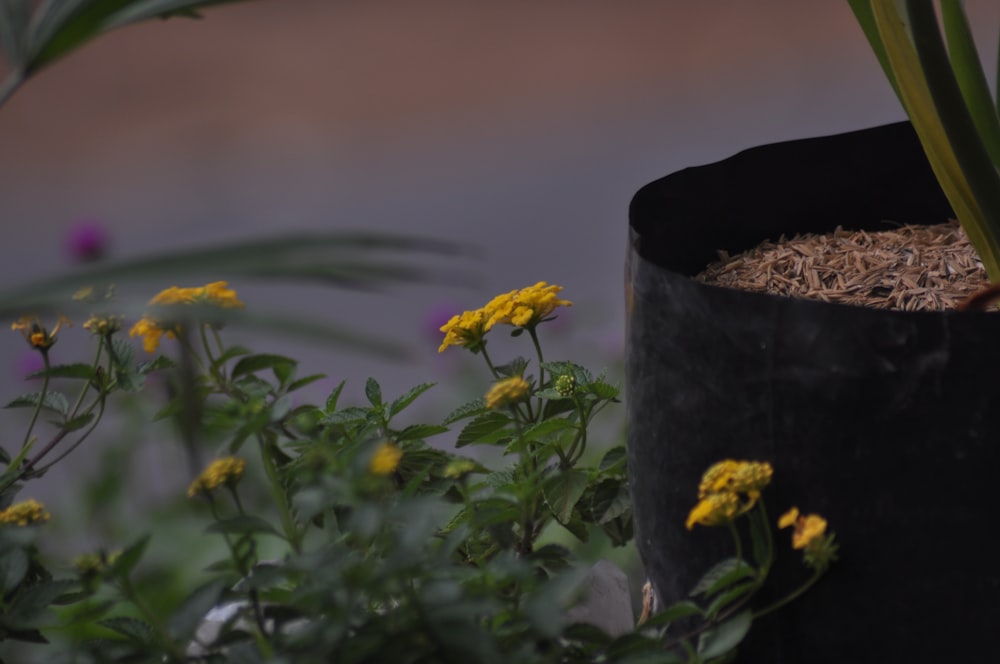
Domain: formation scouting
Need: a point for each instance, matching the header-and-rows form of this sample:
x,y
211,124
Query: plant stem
x,y
41,398
793,595
292,533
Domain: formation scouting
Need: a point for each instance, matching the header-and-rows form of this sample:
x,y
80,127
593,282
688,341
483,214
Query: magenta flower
x,y
87,240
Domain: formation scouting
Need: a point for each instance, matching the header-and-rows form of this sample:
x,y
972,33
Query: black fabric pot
x,y
887,423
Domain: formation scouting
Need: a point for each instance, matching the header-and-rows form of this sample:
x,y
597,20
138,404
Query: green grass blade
x,y
971,78
866,19
978,169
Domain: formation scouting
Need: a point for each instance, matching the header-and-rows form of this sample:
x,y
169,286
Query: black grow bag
x,y
887,423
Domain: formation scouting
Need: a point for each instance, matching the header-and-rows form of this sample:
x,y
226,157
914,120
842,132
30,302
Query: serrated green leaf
x,y
562,492
78,422
722,570
121,352
53,401
470,409
490,427
34,601
601,390
402,402
242,525
373,392
132,628
78,370
420,431
513,368
724,638
254,363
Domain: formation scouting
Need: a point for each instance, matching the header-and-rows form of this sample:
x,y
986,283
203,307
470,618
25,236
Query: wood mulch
x,y
911,268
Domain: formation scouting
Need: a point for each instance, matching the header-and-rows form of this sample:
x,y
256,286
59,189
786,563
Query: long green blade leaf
x,y
970,75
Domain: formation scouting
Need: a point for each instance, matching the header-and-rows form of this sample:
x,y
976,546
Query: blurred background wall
x,y
520,127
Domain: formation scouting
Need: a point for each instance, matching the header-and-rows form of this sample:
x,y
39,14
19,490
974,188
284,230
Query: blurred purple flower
x,y
87,240
29,362
437,316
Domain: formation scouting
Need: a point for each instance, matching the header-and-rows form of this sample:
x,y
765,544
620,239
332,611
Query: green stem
x,y
41,398
792,596
292,533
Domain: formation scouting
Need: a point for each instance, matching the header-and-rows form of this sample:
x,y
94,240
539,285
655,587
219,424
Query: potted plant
x,y
885,420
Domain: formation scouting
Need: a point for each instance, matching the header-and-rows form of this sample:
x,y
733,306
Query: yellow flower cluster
x,y
24,513
227,470
37,336
809,529
525,308
507,391
152,331
385,460
722,487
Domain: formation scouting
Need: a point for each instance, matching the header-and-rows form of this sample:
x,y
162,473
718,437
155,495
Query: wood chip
x,y
911,268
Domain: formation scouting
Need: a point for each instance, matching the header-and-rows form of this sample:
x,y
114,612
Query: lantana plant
x,y
381,547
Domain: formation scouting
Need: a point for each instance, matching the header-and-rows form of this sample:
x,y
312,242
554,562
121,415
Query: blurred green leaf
x,y
78,370
132,628
242,525
488,428
53,401
254,363
719,641
562,491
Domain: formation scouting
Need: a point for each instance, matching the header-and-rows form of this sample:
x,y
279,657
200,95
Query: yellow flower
x,y
466,329
152,331
507,391
24,513
34,332
713,510
103,325
385,460
809,529
749,477
227,470
526,307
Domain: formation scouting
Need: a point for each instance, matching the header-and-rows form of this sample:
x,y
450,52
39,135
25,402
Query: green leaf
x,y
13,568
121,353
28,607
562,491
192,610
53,401
77,422
489,427
129,557
724,638
331,401
373,392
971,77
731,594
513,368
230,353
241,525
601,390
470,409
254,363
419,432
402,402
78,370
722,573
132,628
682,609
614,458
305,380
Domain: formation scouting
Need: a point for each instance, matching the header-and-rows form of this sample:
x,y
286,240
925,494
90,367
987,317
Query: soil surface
x,y
912,268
